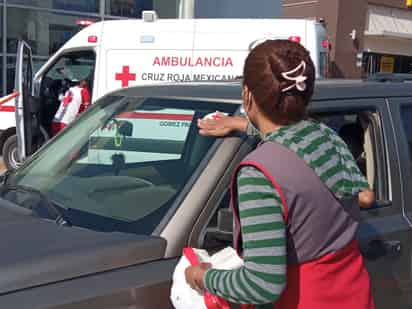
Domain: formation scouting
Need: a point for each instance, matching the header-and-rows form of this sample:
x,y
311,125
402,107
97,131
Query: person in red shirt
x,y
75,101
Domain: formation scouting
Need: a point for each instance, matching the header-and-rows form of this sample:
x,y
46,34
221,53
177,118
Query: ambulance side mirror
x,y
125,128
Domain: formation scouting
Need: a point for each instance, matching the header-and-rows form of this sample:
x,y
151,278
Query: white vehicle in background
x,y
113,54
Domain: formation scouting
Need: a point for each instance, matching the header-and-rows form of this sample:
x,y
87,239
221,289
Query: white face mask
x,y
251,129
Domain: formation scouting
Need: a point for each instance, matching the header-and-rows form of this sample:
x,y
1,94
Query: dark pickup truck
x,y
98,217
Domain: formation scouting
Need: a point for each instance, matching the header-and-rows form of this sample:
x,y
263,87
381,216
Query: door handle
x,y
382,248
392,247
382,203
378,204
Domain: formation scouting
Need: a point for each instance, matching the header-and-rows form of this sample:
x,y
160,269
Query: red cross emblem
x,y
125,76
215,116
68,98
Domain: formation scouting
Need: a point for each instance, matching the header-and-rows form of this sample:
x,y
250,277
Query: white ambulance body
x,y
115,54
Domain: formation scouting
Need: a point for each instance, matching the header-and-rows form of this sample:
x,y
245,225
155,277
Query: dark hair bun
x,y
263,76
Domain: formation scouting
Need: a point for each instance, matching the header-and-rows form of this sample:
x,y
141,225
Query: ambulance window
x,y
68,70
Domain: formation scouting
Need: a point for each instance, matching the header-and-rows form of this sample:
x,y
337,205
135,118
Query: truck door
x,y
384,234
401,113
29,137
401,116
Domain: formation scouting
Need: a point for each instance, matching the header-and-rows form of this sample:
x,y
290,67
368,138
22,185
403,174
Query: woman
x,y
295,197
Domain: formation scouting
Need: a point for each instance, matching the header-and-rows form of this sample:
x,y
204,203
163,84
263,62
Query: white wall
x,y
237,8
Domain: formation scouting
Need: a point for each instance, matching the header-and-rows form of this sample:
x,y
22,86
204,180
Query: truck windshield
x,y
121,166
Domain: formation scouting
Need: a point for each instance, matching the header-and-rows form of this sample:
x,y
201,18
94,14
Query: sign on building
x,y
387,64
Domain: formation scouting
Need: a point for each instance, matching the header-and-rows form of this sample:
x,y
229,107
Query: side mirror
x,y
222,234
225,220
125,128
4,176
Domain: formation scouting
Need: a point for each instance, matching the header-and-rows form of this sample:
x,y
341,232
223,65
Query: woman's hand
x,y
222,125
194,276
366,198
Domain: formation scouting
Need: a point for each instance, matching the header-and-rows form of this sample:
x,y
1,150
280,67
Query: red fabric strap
x,y
190,254
274,183
211,301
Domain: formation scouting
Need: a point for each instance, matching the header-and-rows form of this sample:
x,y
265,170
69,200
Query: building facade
x,y
237,8
47,24
366,36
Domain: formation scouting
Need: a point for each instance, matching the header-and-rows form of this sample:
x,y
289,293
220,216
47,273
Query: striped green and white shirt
x,y
263,277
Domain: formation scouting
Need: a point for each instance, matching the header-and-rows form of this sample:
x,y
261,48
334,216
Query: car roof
x,y
231,91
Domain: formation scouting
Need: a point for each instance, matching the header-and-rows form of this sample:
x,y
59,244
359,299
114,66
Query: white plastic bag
x,y
182,295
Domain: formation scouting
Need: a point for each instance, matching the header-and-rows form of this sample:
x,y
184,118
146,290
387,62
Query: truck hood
x,y
35,251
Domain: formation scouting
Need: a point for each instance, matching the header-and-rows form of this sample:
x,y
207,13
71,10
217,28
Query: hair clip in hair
x,y
299,80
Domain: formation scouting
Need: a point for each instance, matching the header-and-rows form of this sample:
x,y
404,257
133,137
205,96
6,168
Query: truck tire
x,y
10,156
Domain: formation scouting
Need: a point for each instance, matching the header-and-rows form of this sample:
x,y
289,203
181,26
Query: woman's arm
x,y
263,277
222,126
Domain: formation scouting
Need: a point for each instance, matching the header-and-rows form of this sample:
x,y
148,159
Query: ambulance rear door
x,y
141,53
29,137
318,38
310,33
135,52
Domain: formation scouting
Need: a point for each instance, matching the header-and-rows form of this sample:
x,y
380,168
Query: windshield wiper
x,y
51,208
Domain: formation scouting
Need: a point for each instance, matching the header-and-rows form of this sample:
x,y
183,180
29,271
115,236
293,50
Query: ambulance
x,y
115,54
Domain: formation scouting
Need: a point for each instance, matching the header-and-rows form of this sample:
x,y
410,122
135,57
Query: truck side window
x,y
356,129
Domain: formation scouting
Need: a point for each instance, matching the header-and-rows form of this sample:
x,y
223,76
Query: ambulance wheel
x,y
10,155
